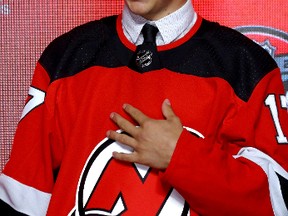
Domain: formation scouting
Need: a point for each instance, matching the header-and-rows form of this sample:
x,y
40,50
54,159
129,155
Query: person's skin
x,y
153,140
154,9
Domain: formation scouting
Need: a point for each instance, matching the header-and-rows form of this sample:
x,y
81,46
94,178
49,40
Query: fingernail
x,y
108,133
112,115
124,106
167,101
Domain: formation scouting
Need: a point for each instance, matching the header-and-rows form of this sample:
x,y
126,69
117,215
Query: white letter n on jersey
x,y
37,98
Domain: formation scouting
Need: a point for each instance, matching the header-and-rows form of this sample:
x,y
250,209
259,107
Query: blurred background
x,y
27,27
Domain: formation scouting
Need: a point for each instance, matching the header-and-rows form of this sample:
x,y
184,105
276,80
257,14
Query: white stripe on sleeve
x,y
270,167
23,198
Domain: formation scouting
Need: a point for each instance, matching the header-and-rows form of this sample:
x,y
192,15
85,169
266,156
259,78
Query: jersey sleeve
x,y
244,172
28,177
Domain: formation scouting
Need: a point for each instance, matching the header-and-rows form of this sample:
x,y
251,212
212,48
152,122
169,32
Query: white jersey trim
x,y
270,167
23,198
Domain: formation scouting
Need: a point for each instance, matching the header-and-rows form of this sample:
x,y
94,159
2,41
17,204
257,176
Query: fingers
x,y
127,140
122,138
136,114
125,157
123,123
167,109
139,116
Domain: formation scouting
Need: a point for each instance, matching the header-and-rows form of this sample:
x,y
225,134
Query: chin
x,y
139,7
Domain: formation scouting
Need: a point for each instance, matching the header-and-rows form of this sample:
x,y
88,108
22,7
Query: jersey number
x,y
271,103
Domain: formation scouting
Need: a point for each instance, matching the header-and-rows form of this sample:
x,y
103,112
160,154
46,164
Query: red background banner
x,y
28,26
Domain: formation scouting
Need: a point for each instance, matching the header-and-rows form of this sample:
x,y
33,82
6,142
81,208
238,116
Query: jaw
x,y
154,9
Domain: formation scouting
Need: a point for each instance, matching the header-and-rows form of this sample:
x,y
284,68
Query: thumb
x,y
167,109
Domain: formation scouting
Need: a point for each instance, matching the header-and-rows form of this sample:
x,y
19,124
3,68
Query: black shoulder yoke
x,y
219,51
213,51
79,49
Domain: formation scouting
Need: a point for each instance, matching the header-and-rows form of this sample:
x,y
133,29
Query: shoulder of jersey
x,y
75,50
230,55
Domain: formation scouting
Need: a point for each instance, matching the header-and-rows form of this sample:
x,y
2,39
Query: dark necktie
x,y
146,57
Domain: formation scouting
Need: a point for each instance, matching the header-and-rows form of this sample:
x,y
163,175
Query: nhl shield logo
x,y
144,58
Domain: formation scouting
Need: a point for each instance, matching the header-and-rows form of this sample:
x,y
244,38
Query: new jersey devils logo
x,y
110,187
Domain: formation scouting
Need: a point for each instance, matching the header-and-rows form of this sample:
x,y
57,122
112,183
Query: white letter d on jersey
x,y
36,100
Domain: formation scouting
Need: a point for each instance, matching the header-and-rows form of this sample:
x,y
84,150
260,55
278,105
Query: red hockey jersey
x,y
231,159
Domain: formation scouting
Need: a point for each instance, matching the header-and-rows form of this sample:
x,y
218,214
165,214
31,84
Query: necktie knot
x,y
149,33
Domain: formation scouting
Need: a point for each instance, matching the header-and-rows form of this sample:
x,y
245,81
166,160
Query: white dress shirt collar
x,y
171,27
